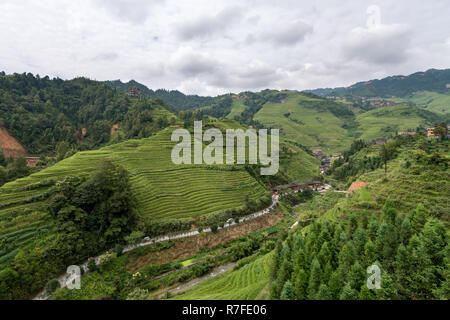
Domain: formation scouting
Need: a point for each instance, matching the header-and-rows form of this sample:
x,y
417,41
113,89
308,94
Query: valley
x,y
104,193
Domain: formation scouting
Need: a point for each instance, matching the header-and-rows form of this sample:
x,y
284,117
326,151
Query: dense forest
x,y
175,99
89,215
329,260
41,113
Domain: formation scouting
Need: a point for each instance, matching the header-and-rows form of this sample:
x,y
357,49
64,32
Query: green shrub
x,y
51,286
92,267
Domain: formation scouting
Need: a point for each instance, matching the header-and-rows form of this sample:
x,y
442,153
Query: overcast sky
x,y
212,47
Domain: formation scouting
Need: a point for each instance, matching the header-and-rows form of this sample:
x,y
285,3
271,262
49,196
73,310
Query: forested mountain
x,y
42,112
174,98
397,86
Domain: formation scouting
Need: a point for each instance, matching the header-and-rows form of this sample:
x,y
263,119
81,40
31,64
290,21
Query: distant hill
x,y
174,98
394,86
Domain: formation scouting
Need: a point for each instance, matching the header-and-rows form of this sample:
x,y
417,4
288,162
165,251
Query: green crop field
x,y
309,126
246,283
384,122
431,101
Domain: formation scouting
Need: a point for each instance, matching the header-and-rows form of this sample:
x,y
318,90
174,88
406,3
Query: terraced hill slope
x,y
384,122
247,283
308,121
163,190
431,101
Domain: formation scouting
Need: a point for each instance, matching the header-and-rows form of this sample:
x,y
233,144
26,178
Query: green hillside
x,y
163,189
237,108
399,222
431,101
247,283
309,121
386,121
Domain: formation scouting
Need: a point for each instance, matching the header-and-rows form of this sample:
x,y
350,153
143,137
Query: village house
x,y
133,92
430,133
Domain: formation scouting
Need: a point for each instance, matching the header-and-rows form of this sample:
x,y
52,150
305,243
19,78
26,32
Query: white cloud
x,y
215,47
380,44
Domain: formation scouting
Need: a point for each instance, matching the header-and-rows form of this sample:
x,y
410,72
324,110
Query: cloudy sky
x,y
212,47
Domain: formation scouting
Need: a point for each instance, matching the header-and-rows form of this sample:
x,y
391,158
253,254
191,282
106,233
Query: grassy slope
x,y
383,122
307,126
431,101
407,187
236,108
246,283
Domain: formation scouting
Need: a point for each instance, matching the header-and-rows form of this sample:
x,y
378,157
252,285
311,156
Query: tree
x,y
18,168
365,293
323,293
51,286
335,284
356,276
418,218
315,279
386,243
384,157
359,239
348,293
387,290
92,266
3,175
347,256
287,292
61,149
301,284
405,231
138,294
441,131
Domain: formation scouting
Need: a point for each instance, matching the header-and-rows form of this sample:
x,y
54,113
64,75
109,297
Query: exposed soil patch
x,y
187,247
10,146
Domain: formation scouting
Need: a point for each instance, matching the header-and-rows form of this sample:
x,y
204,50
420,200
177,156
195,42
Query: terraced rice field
x,y
163,190
305,125
384,122
247,283
431,101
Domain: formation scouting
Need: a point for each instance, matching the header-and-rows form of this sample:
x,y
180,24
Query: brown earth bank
x,y
10,146
187,247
